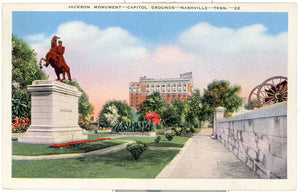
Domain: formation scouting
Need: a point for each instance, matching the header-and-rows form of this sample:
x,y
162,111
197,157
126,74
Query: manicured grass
x,y
101,135
176,142
117,165
33,150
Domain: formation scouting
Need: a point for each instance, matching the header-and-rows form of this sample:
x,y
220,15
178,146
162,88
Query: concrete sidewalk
x,y
205,158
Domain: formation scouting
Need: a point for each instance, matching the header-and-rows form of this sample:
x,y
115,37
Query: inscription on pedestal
x,y
66,110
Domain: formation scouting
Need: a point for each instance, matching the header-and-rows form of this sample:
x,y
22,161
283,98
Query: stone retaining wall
x,y
258,138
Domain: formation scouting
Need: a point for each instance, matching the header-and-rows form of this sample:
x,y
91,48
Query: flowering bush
x,y
70,144
112,116
20,125
153,118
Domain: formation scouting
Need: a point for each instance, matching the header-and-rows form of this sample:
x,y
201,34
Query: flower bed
x,y
20,125
77,143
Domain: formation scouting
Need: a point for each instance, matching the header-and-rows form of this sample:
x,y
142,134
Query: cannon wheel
x,y
252,100
272,91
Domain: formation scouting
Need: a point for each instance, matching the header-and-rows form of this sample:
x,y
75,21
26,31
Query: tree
x,y
176,113
115,112
24,71
220,93
154,103
194,114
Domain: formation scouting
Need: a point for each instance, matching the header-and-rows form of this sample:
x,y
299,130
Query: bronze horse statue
x,y
55,58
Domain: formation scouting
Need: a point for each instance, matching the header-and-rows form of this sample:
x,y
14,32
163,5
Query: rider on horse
x,y
56,59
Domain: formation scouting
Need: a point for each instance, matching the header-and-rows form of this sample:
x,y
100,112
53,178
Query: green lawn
x,y
33,150
117,165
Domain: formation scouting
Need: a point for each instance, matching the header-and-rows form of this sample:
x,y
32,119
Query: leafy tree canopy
x,y
194,113
85,108
154,103
176,113
24,64
24,71
220,93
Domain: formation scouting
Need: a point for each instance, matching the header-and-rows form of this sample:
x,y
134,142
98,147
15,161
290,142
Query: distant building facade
x,y
170,89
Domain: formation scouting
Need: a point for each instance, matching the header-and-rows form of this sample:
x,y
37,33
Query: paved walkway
x,y
205,158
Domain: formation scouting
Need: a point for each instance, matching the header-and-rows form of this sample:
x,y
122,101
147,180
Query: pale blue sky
x,y
149,26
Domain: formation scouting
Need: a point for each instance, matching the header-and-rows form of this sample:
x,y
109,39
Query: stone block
x,y
250,164
249,139
261,171
263,125
261,155
263,143
252,153
249,125
275,165
238,125
239,135
242,155
235,134
231,141
235,151
278,146
239,144
280,127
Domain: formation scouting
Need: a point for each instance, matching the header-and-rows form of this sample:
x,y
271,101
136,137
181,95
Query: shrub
x,y
186,131
157,139
178,131
137,148
170,135
193,130
132,127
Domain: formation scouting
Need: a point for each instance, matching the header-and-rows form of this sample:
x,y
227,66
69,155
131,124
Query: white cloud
x,y
245,55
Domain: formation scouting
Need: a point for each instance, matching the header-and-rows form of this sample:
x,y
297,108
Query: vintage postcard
x,y
161,96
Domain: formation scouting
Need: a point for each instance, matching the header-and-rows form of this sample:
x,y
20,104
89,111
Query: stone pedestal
x,y
54,114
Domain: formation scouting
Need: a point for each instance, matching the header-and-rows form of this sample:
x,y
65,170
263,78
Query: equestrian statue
x,y
56,59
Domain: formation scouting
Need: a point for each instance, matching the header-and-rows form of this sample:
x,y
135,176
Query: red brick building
x,y
170,89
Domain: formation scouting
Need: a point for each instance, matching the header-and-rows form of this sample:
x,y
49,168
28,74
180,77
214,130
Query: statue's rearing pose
x,y
56,59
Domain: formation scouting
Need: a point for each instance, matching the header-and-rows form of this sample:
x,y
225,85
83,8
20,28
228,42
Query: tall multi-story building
x,y
170,89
